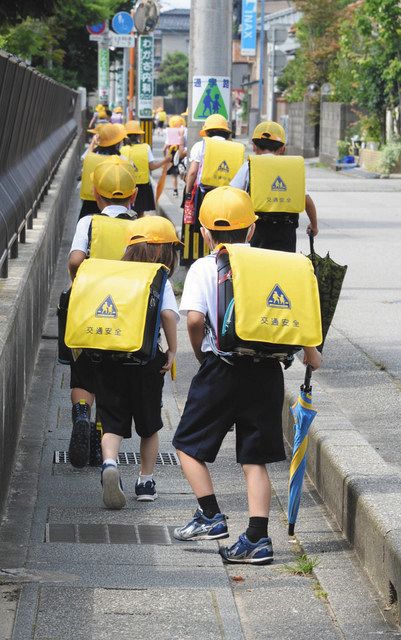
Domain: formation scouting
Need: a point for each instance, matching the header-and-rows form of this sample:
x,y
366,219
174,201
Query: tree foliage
x,y
173,77
317,33
51,35
367,69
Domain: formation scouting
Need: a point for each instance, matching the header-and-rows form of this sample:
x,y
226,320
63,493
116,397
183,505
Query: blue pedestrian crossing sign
x,y
210,95
277,299
107,309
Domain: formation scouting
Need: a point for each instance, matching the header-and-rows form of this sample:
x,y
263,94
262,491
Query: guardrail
x,y
36,128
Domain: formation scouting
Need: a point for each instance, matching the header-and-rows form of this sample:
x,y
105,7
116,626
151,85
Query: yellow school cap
x,y
226,208
111,134
216,121
154,230
117,110
134,126
176,121
114,178
269,130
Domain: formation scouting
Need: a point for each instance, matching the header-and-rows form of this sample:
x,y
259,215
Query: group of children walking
x,y
228,389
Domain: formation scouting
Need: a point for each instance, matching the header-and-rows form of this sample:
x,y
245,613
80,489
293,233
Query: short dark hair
x,y
165,253
229,236
134,138
218,132
113,150
267,145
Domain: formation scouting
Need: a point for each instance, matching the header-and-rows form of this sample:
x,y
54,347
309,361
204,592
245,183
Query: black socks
x,y
209,505
257,528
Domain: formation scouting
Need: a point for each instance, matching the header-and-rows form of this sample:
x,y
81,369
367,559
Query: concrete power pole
x,y
210,48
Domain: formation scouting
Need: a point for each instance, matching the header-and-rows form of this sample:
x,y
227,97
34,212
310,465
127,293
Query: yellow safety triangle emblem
x,y
223,166
279,185
107,309
277,299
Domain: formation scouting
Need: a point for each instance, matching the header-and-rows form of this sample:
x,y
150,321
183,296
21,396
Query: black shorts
x,y
270,233
248,394
130,392
82,373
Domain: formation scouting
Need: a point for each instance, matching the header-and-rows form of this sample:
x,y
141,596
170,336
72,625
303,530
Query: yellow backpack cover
x,y
138,155
268,301
277,183
110,237
221,162
91,160
115,306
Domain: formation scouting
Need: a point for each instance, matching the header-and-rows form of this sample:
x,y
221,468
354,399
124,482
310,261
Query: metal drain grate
x,y
109,533
126,457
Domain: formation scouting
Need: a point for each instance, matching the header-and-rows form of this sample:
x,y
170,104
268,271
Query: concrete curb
x,y
24,299
361,490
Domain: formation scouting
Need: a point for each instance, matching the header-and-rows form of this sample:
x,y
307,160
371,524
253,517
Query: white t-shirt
x,y
80,241
241,178
169,303
200,293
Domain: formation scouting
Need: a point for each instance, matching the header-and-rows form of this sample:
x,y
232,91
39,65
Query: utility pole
x,y
261,58
210,49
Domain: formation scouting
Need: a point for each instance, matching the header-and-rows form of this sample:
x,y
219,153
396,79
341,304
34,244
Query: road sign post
x,y
145,76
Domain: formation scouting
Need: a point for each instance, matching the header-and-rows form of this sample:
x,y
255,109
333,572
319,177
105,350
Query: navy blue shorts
x,y
248,394
130,392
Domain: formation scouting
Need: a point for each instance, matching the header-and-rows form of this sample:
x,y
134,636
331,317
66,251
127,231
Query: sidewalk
x,y
72,569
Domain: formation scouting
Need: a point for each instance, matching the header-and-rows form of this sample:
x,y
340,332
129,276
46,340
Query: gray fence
x,y
36,128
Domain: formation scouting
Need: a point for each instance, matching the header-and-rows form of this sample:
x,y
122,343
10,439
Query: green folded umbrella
x,y
330,276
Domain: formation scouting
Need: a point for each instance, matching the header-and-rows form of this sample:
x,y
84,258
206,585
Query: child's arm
x,y
196,332
169,324
312,215
312,357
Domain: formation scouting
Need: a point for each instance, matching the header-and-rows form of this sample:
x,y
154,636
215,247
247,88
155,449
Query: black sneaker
x,y
145,491
79,448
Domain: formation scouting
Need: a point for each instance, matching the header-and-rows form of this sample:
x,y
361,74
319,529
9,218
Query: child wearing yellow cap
x,y
275,231
247,392
114,186
134,393
141,155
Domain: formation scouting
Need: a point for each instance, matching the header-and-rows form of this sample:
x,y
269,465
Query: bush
x,y
343,147
391,156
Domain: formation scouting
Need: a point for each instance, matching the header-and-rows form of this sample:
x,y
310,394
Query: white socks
x,y
110,461
145,479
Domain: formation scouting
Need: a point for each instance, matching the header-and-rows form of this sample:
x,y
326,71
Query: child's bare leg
x,y
113,495
197,474
110,446
149,449
258,489
81,394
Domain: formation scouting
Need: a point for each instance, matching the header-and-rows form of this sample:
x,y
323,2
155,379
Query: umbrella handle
x,y
312,250
307,387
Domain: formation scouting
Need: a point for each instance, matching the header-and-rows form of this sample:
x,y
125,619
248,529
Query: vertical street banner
x,y
248,30
145,76
210,94
103,73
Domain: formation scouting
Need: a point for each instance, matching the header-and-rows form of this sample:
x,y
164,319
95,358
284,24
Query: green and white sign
x,y
145,76
210,95
103,73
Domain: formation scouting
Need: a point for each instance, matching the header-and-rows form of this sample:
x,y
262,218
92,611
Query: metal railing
x,y
36,128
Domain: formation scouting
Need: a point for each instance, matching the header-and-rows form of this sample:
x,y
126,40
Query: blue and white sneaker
x,y
113,494
246,552
145,491
202,528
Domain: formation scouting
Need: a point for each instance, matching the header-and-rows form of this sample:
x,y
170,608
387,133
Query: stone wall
x,y
302,129
335,119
